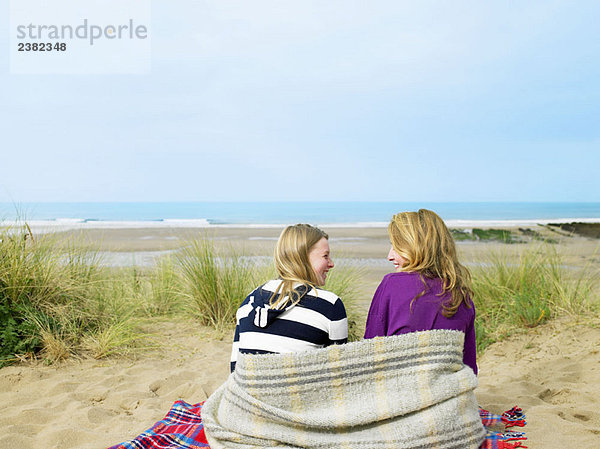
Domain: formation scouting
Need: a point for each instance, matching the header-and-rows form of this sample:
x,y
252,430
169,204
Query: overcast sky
x,y
321,100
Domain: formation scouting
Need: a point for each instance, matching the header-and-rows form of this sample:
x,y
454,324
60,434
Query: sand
x,y
95,404
552,371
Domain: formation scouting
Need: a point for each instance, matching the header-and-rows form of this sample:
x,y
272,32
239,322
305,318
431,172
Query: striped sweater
x,y
317,321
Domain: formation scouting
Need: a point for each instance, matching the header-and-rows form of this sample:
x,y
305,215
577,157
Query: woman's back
x,y
316,321
391,312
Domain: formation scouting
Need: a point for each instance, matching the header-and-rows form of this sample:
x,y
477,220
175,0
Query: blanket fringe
x,y
508,439
514,417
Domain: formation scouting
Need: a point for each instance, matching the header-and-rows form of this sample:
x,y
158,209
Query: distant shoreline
x,y
61,225
354,214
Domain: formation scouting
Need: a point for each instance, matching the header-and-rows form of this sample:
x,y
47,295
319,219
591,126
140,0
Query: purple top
x,y
390,312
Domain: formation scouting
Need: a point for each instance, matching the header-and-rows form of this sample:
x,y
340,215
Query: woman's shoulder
x,y
270,286
467,308
403,274
324,302
400,284
324,294
402,277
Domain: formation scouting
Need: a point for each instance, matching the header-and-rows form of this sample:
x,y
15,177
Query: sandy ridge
x,y
553,372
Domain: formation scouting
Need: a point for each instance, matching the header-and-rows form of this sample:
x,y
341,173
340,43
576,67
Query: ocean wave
x,y
63,224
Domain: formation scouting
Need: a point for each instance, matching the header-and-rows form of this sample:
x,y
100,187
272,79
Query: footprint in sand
x,y
579,416
98,415
179,386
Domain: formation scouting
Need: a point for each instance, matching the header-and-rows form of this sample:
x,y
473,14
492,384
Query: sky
x,y
253,100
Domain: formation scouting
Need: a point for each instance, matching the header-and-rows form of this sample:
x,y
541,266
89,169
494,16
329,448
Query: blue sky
x,y
321,100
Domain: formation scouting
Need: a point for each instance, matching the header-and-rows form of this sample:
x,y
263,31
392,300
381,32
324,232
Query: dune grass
x,y
57,303
209,285
60,301
516,292
344,282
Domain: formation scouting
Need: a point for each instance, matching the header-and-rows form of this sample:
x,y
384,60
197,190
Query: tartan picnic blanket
x,y
182,428
497,438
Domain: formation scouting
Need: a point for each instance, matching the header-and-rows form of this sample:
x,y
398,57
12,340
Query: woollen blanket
x,y
409,391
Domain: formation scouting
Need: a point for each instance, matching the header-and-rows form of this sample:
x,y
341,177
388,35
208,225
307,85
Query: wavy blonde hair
x,y
423,239
293,264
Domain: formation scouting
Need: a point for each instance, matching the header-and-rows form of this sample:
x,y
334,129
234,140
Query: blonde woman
x,y
430,288
293,313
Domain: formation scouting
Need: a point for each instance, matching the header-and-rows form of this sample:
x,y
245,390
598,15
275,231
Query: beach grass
x,y
57,300
203,282
344,282
210,285
513,293
476,234
34,285
60,300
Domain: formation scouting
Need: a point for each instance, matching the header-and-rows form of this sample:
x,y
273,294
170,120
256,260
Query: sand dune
x,y
92,404
553,372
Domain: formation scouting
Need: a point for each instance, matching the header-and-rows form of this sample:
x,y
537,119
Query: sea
x,y
52,217
65,215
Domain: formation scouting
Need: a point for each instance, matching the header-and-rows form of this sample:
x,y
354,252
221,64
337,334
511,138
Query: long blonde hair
x,y
293,264
423,239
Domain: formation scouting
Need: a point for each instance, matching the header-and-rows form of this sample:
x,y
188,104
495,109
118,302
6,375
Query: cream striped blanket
x,y
406,391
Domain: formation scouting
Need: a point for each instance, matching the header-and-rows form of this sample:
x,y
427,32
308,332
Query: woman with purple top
x,y
430,288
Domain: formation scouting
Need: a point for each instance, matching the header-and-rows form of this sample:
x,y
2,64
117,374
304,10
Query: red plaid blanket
x,y
182,428
505,439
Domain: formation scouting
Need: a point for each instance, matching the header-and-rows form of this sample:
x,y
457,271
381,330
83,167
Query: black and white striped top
x,y
318,320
